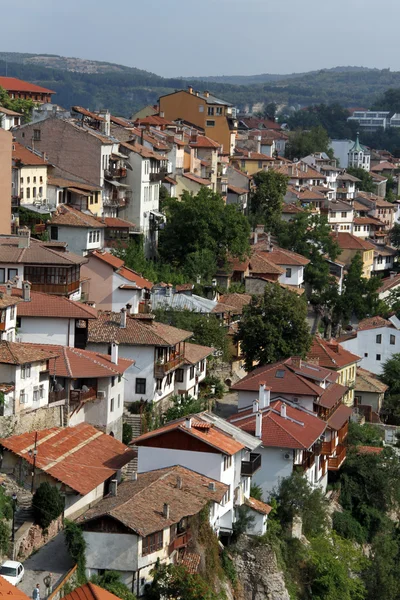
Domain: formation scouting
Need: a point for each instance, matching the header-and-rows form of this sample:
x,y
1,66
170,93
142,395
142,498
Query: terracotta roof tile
x,y
369,450
235,301
202,141
194,353
291,209
12,84
196,179
81,457
368,382
191,561
76,363
26,156
139,504
389,282
68,183
136,278
237,190
260,264
71,217
348,241
331,355
38,253
115,222
339,417
18,353
90,591
332,395
7,590
47,305
258,506
109,258
373,323
282,257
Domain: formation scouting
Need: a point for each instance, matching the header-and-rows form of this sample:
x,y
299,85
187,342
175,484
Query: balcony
x,y
336,462
342,433
249,467
63,289
57,396
162,368
181,541
328,447
77,396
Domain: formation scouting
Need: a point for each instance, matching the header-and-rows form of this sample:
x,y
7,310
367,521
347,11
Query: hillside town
x,y
193,326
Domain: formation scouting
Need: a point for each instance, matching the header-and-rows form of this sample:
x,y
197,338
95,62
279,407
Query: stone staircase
x,y
135,421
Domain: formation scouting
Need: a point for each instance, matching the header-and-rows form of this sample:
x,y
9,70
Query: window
x,y
34,180
210,111
23,398
179,375
12,314
226,497
112,405
243,163
227,462
40,191
40,179
41,391
378,357
344,214
152,543
35,394
288,272
218,110
90,237
2,275
210,123
112,381
158,385
202,365
379,260
54,232
191,373
392,340
21,194
36,135
379,339
168,380
201,108
22,181
34,192
28,192
140,385
28,179
260,164
12,273
23,372
119,401
388,259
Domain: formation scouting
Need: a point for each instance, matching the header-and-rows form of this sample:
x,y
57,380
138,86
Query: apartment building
x,y
17,88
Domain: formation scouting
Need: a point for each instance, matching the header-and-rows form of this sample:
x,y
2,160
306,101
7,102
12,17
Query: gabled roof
x,y
331,354
389,282
49,306
260,263
38,253
81,457
339,417
116,222
201,429
10,113
202,141
139,504
373,323
348,241
299,430
138,332
8,590
74,363
18,353
12,84
87,113
258,506
27,156
67,216
142,150
281,256
90,591
368,382
194,353
237,190
236,301
71,183
196,179
291,209
119,265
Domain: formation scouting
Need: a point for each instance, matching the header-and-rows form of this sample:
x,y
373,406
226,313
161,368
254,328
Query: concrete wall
x,y
30,180
5,181
111,551
42,418
38,330
365,345
75,504
274,468
100,275
77,239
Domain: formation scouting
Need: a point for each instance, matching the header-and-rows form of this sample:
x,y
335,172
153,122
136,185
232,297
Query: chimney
x,y
123,318
168,291
8,288
256,406
188,423
313,361
296,361
206,93
142,136
258,424
26,291
211,486
179,482
134,475
190,89
114,487
24,237
260,228
166,510
162,114
114,353
283,410
264,394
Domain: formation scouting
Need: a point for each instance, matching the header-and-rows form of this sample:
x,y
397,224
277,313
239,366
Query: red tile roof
x,y
341,415
281,256
258,506
12,84
90,591
108,258
153,120
332,395
389,282
76,363
291,209
202,141
71,217
348,241
237,190
17,353
81,457
115,222
191,561
232,303
201,430
125,272
8,590
47,305
38,253
300,429
26,156
369,450
194,353
369,382
331,354
196,179
373,323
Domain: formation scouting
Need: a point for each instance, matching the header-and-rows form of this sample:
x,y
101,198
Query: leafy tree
x,y
24,107
202,222
364,435
360,295
391,374
47,504
302,143
127,434
366,183
256,491
395,235
267,200
174,581
381,577
243,523
111,581
76,547
182,406
348,527
270,110
332,117
273,327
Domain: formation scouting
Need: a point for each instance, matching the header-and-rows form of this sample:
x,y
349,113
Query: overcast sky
x,y
211,37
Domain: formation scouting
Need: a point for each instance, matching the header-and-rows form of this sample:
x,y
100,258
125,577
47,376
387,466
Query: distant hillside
x,y
123,90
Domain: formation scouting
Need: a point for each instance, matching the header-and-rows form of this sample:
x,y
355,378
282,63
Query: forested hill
x,y
123,89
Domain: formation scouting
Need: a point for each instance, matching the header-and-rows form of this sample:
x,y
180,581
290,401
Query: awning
x,y
116,183
78,191
339,417
157,214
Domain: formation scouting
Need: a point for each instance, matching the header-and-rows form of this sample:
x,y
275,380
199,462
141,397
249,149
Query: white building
x,y
80,230
371,120
193,371
342,150
9,118
375,340
8,317
340,215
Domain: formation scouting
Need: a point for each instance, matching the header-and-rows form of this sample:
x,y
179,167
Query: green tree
x,y
364,435
395,235
111,581
273,327
182,406
302,143
391,373
202,222
366,183
127,434
270,110
360,295
174,581
266,202
381,577
47,504
76,547
24,107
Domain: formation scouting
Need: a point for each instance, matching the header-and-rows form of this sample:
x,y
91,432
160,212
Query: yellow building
x,y
32,175
349,245
215,116
252,162
333,356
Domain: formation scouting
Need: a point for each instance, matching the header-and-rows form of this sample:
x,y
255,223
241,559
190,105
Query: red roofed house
x,y
81,462
111,285
31,175
90,591
350,245
209,445
82,231
8,590
16,88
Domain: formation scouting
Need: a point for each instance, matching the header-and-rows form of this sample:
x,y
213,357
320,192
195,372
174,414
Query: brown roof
x,y
38,253
200,429
339,417
68,183
75,363
184,287
282,257
87,113
369,450
368,382
243,154
291,209
347,177
300,429
298,170
202,141
106,328
18,353
142,150
191,561
6,300
116,222
383,166
47,305
196,179
332,395
26,156
260,264
125,272
71,217
331,354
153,120
11,113
349,241
256,122
237,190
12,84
389,282
194,353
139,504
234,301
367,221
90,591
81,457
258,506
373,323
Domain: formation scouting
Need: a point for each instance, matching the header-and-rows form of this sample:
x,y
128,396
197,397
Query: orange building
x,y
216,117
5,180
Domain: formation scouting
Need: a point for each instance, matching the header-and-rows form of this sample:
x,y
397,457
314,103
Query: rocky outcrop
x,y
259,575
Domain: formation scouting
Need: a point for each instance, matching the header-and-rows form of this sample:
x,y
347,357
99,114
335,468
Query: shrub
x,y
47,504
76,546
111,581
126,433
348,527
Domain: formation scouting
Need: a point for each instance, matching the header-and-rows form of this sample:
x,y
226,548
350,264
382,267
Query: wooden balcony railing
x,y
328,447
249,467
336,462
76,396
162,368
57,396
62,289
3,326
181,541
342,433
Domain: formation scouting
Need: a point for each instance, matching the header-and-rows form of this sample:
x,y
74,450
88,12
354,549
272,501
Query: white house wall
x,y
38,330
74,503
111,551
365,345
274,468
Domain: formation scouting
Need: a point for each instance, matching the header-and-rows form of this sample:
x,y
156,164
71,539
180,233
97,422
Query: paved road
x,y
52,558
227,406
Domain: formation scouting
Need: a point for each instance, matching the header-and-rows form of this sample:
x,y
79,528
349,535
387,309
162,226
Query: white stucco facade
x,y
374,350
38,330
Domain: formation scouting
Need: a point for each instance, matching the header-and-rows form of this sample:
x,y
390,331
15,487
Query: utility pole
x,y
34,454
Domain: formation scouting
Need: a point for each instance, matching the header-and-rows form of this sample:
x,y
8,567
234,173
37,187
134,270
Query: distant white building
x,y
351,154
371,120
